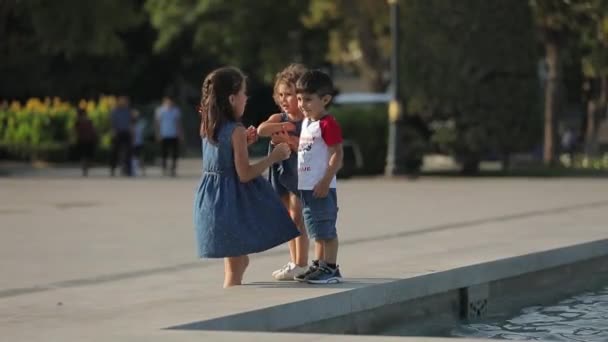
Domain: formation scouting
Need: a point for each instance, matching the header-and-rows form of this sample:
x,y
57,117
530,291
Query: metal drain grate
x,y
474,302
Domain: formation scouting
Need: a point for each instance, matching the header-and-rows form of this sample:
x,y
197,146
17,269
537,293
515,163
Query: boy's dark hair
x,y
315,82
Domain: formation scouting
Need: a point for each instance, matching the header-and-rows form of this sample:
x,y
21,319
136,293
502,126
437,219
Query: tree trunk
x,y
551,100
602,105
595,108
591,127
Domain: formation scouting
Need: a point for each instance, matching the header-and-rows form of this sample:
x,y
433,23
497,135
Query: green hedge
x,y
367,126
43,129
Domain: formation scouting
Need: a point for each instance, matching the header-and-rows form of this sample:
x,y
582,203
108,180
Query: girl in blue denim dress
x,y
236,211
285,127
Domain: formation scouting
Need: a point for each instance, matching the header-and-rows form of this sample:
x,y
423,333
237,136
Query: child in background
x,y
139,128
86,140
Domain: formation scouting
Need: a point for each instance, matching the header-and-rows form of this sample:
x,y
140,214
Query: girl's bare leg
x,y
234,268
301,243
292,243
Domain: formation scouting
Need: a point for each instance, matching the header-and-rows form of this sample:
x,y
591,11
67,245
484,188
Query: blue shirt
x,y
121,119
168,118
140,128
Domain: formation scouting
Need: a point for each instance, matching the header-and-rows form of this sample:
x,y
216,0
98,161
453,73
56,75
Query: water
x,y
580,318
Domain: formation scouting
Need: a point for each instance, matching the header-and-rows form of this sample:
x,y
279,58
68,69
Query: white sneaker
x,y
287,266
290,273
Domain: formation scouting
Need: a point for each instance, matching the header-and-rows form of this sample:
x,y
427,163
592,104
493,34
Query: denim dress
x,y
232,218
284,175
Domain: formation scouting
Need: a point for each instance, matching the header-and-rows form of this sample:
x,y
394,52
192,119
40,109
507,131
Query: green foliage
x,y
367,126
581,161
559,20
46,128
68,27
468,67
359,36
74,49
73,27
258,36
474,63
594,38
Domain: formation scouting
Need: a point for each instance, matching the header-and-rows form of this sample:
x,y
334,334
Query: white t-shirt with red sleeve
x,y
313,151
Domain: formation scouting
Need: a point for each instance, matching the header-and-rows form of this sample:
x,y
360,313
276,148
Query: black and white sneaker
x,y
302,277
325,275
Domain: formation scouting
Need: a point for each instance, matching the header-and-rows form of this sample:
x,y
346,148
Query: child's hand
x,y
293,143
321,189
288,127
279,137
280,152
252,135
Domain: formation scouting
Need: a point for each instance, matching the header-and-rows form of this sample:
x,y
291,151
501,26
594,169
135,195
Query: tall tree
x,y
558,22
44,41
472,64
359,36
259,36
594,40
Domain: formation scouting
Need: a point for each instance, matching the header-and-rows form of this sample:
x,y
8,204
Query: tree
x,y
70,27
261,37
594,40
44,43
472,64
359,36
558,22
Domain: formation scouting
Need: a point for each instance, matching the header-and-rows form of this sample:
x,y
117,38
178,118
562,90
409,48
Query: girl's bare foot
x,y
230,281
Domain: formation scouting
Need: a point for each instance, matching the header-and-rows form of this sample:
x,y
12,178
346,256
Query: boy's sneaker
x,y
283,268
303,277
289,273
338,274
325,275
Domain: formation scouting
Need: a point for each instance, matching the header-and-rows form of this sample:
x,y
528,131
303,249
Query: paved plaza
x,y
114,259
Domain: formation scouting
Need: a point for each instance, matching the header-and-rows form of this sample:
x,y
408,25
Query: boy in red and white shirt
x,y
319,159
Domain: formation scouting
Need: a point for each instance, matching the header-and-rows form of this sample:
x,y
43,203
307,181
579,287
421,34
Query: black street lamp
x,y
394,109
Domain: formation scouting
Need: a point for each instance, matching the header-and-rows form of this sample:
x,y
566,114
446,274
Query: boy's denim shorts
x,y
320,214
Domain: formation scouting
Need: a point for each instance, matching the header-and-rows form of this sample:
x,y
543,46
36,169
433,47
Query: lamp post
x,y
394,108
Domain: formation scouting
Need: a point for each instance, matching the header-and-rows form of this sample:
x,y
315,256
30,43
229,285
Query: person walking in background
x,y
139,129
86,140
568,143
169,132
122,136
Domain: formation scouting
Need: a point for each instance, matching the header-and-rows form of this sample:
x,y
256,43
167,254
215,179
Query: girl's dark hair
x,y
215,107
